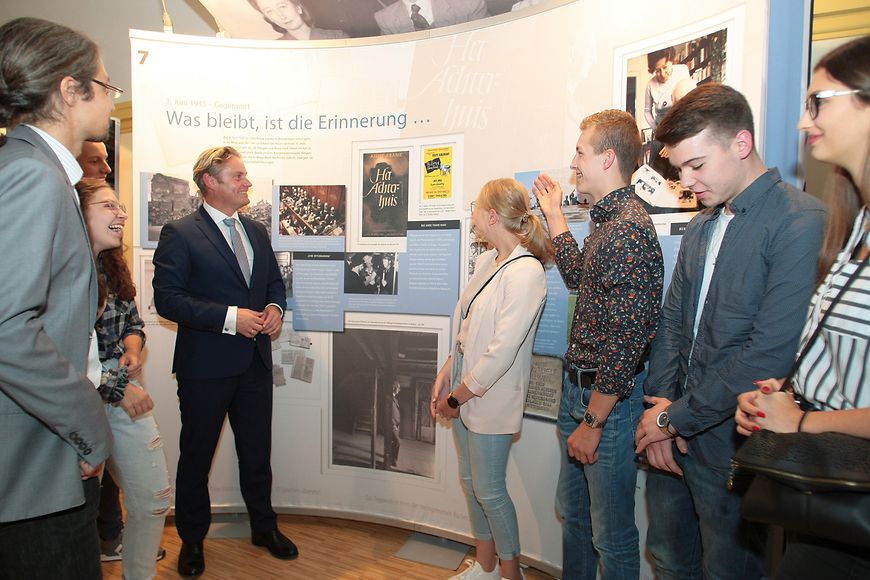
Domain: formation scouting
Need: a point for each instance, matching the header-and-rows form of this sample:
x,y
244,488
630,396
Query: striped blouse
x,y
835,374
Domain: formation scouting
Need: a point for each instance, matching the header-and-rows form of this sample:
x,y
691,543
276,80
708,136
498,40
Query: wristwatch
x,y
663,422
592,421
453,402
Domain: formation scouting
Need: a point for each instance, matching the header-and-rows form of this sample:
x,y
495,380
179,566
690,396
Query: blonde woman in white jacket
x,y
483,383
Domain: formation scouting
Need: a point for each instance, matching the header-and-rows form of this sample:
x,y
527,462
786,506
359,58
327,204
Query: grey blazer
x,y
396,18
50,413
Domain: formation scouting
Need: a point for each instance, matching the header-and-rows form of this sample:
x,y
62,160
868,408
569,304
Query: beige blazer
x,y
497,339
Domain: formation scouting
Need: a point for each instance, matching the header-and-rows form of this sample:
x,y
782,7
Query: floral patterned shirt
x,y
618,276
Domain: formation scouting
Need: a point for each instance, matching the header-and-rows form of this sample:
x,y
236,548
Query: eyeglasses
x,y
111,90
471,205
814,100
112,206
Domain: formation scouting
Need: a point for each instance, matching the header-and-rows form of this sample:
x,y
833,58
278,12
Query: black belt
x,y
586,377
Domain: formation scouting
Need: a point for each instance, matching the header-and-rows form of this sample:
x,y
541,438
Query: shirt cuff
x,y
281,310
230,321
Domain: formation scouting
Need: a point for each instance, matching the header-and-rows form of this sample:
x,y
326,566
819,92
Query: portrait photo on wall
x,y
381,383
311,210
655,81
339,19
371,273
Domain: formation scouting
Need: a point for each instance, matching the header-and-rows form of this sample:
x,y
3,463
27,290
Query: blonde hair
x,y
510,200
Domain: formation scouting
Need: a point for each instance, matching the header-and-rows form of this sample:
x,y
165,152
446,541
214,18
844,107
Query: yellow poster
x,y
438,172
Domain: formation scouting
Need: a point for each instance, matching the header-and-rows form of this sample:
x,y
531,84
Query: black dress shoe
x,y
191,560
277,543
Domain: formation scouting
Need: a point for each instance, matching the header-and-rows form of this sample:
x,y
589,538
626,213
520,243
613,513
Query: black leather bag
x,y
812,483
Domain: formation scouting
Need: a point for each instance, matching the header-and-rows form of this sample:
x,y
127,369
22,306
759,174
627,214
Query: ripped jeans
x,y
138,465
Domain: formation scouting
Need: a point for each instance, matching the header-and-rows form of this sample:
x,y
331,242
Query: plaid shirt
x,y
119,320
618,275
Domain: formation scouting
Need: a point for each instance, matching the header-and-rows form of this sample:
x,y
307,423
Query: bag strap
x,y
818,328
502,267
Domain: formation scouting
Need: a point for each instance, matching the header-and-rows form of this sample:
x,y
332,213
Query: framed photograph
x,y
653,74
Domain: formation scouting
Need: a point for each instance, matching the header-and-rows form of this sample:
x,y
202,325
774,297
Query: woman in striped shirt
x,y
834,375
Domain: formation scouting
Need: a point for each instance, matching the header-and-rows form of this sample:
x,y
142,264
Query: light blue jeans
x,y
138,465
482,472
596,502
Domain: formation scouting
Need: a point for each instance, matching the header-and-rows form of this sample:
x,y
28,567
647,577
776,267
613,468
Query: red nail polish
x,y
761,414
765,389
756,428
756,382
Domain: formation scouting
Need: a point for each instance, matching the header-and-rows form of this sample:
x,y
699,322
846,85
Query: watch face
x,y
662,420
453,402
590,419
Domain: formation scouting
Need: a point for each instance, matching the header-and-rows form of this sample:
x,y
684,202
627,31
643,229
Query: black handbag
x,y
811,483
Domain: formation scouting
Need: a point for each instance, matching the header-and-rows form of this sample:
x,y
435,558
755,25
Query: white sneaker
x,y
476,572
522,575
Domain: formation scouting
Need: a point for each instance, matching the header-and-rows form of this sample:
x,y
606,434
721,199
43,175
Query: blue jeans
x,y
60,546
482,472
695,529
596,502
138,465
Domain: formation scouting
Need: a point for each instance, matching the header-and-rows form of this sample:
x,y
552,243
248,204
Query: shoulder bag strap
x,y
467,310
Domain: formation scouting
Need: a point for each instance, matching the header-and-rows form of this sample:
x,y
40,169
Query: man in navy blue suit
x,y
215,274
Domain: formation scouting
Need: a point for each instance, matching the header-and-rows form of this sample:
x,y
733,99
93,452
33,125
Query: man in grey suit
x,y
411,15
52,423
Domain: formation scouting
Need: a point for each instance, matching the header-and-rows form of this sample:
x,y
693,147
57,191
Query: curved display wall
x,y
364,157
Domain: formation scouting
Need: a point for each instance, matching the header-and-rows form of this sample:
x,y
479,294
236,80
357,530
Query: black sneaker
x,y
110,550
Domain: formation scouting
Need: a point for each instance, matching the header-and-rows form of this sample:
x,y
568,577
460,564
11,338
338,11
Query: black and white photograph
x,y
168,198
145,294
285,266
311,210
382,381
371,273
340,19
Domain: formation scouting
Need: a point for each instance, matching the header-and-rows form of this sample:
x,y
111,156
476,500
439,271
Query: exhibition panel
x,y
364,158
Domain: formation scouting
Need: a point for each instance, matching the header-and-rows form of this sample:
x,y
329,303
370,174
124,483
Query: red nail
x,y
756,382
756,428
765,389
761,414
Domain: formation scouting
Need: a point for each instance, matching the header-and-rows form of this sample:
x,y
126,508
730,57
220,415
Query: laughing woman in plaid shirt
x,y
137,462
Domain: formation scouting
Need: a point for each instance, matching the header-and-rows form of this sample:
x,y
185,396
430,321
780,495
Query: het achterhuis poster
x,y
385,194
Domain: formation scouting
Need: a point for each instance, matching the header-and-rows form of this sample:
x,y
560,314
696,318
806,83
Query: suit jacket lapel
x,y
216,237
